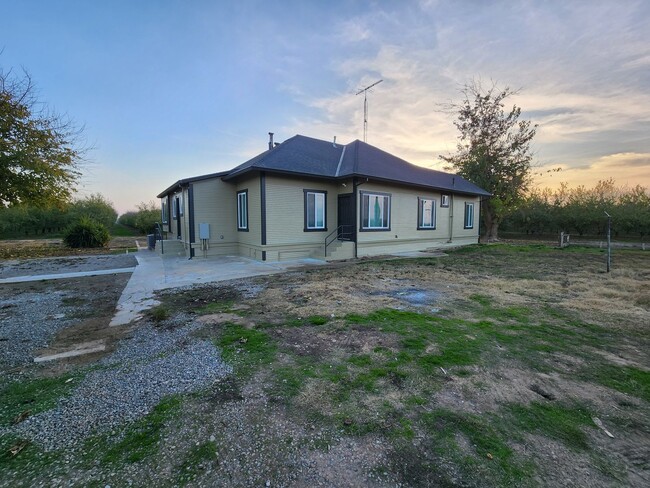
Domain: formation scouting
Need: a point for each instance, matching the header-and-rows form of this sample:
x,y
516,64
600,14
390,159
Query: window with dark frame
x,y
444,201
315,210
375,211
469,215
242,210
426,214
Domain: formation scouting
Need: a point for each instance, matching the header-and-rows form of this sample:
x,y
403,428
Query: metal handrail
x,y
158,232
338,232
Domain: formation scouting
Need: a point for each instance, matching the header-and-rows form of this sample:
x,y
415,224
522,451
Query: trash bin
x,y
151,241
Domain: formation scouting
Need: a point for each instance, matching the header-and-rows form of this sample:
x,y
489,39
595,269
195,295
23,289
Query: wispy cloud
x,y
582,68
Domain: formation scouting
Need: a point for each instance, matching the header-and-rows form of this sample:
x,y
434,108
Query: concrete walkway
x,y
63,276
155,273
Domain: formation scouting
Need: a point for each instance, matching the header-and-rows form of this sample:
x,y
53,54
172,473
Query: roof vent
x,y
334,143
270,140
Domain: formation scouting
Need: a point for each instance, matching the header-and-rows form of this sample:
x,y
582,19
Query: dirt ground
x,y
40,248
283,421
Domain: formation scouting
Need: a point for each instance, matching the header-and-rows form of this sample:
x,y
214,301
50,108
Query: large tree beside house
x,y
39,150
493,150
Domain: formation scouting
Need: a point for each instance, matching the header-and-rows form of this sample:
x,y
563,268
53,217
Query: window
x,y
426,213
469,215
315,210
164,214
177,207
242,210
444,201
375,211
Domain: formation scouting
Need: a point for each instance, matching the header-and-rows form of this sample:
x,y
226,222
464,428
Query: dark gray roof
x,y
185,181
300,154
306,156
362,159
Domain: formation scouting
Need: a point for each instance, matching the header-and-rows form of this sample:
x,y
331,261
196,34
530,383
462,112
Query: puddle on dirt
x,y
418,297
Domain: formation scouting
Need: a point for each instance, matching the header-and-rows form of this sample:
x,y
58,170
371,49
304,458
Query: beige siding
x,y
250,242
459,232
285,211
404,234
215,204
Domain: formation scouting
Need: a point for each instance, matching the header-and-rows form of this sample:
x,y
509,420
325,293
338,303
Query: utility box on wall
x,y
204,231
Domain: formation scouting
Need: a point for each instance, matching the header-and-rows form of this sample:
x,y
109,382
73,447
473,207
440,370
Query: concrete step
x,y
170,247
340,250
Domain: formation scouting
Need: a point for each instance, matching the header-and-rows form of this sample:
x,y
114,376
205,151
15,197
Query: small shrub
x,y
159,313
86,233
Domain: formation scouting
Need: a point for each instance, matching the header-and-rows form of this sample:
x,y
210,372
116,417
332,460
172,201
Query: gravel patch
x,y
27,322
150,365
44,266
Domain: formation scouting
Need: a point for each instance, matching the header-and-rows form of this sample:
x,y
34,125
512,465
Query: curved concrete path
x,y
155,272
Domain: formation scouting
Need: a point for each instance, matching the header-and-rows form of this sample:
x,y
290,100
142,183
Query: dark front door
x,y
177,205
346,216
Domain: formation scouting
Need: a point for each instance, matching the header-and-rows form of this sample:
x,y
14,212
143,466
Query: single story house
x,y
307,197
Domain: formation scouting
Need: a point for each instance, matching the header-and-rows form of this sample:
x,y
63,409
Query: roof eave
x,y
186,181
419,185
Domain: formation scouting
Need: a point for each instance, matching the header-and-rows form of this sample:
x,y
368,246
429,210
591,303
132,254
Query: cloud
x,y
629,169
582,69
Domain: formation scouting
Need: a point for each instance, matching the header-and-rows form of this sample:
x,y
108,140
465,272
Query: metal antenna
x,y
365,107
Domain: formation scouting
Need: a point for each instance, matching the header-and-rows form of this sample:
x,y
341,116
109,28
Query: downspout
x,y
263,208
451,217
355,185
190,209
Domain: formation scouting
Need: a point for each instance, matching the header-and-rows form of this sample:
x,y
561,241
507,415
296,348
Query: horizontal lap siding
x,y
250,242
215,204
459,216
285,211
404,234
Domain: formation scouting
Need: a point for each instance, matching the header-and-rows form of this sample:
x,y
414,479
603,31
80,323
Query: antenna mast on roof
x,y
365,107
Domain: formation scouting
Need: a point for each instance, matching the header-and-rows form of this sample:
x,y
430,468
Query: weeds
x,y
141,439
159,313
32,396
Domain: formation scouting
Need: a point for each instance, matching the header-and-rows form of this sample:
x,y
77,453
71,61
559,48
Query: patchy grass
x,y
487,451
562,423
196,459
30,458
29,397
526,345
633,381
219,306
139,440
247,349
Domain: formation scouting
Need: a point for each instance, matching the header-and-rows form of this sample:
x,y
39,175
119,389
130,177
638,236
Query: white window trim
x,y
444,201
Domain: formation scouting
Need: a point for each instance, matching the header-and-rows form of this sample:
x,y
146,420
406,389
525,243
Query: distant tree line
x,y
144,219
24,220
582,210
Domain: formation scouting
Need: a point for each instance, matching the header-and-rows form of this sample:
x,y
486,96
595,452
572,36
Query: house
x,y
308,197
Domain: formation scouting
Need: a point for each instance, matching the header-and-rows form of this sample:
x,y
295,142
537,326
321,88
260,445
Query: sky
x,y
170,89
